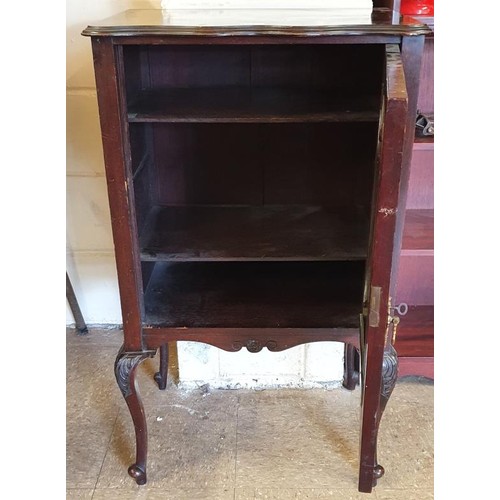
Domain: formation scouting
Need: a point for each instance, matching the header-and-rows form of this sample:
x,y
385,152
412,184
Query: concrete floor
x,y
239,445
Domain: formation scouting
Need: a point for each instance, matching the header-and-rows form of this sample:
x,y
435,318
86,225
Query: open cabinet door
x,y
378,357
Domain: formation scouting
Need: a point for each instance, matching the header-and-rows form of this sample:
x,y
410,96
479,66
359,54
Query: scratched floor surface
x,y
239,445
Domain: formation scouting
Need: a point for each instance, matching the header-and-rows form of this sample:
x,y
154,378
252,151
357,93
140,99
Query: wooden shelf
x,y
253,233
255,295
251,105
418,233
423,143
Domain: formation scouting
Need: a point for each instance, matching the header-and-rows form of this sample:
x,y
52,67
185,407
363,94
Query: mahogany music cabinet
x,y
254,176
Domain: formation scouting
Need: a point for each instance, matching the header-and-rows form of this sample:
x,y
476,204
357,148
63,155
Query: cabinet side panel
x,y
110,93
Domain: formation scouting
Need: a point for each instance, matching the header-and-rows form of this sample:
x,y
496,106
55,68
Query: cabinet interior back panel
x,y
327,164
348,67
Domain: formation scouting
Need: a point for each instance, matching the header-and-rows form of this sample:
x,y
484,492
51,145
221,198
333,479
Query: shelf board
x,y
254,295
251,105
418,232
253,233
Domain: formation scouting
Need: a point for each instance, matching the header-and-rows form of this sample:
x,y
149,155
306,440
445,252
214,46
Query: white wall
x,y
90,258
312,365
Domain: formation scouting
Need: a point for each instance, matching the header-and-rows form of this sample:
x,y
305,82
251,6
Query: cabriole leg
x,y
370,469
125,369
351,367
389,377
161,376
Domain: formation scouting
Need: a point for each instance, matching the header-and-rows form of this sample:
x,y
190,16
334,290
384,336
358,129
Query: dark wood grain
x,y
418,231
351,367
327,164
154,22
125,371
208,163
285,67
255,294
254,105
235,339
254,84
416,332
275,74
162,374
411,55
256,40
108,63
197,66
392,136
258,233
319,164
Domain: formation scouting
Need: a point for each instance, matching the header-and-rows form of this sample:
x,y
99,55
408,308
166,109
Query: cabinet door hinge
x,y
394,320
374,313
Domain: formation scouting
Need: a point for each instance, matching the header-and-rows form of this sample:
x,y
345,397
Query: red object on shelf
x,y
417,7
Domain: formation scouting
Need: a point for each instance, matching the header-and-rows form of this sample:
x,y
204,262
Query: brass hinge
x,y
374,312
394,320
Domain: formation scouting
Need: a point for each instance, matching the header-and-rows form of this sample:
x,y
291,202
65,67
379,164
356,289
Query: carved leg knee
x,y
389,377
125,367
161,376
370,470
